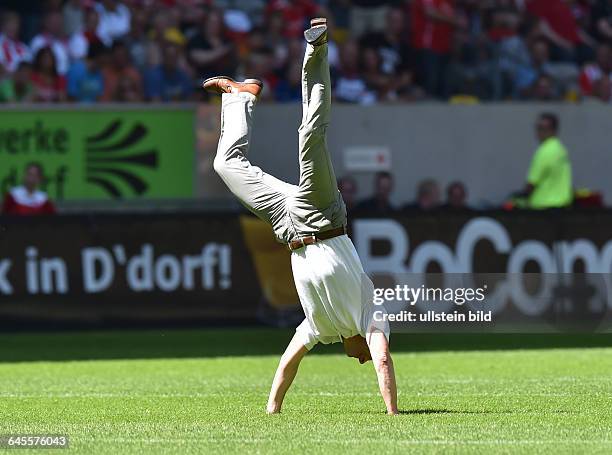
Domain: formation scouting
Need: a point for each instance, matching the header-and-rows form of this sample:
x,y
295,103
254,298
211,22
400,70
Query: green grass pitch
x,y
205,391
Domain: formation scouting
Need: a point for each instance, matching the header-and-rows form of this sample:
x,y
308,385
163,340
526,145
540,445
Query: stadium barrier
x,y
140,152
488,147
200,268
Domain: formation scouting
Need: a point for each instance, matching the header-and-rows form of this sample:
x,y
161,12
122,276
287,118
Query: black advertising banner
x,y
145,268
112,270
486,242
508,272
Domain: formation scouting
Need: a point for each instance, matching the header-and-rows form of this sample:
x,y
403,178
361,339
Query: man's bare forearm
x,y
385,372
285,374
387,385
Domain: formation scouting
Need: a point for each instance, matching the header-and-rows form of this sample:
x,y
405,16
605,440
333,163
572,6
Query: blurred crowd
x,y
428,196
380,51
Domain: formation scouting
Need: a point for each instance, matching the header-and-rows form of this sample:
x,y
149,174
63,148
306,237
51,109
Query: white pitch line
x,y
503,442
326,394
323,394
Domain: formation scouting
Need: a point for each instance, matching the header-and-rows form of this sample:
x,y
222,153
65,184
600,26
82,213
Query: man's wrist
x,y
273,409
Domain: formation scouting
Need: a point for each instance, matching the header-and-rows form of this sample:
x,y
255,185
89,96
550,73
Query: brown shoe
x,y
224,84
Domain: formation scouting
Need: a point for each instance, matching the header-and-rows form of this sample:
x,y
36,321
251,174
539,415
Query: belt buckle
x,y
302,242
290,243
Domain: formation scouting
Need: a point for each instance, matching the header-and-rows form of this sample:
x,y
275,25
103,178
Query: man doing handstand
x,y
310,218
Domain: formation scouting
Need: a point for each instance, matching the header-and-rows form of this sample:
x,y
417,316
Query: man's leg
x,y
317,179
260,192
285,373
383,364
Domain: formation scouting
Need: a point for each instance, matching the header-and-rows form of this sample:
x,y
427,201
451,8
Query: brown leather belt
x,y
314,238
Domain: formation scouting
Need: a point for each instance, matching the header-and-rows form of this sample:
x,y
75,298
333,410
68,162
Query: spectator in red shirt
x,y
48,85
433,25
52,36
27,199
592,73
295,13
79,43
559,25
12,51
